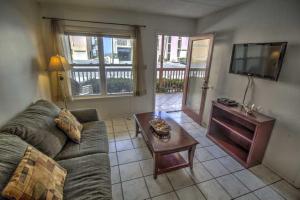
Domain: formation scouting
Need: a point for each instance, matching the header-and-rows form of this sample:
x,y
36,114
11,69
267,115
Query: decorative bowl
x,y
160,126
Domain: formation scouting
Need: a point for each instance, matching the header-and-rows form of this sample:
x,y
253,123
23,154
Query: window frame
x,y
169,46
101,67
179,44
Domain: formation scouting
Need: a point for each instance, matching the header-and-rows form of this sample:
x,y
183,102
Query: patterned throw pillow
x,y
36,177
69,124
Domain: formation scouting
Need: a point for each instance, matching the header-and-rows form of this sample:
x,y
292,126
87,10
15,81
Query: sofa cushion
x,y
46,108
93,140
12,149
85,115
36,126
88,177
36,177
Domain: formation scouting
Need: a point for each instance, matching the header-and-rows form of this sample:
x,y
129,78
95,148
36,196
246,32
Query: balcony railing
x,y
172,79
168,79
84,74
86,80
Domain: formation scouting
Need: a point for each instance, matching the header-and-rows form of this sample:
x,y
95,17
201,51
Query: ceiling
x,y
181,8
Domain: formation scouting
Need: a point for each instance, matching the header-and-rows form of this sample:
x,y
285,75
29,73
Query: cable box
x,y
227,102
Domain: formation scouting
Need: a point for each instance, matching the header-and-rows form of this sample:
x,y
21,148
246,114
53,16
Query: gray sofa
x,y
87,163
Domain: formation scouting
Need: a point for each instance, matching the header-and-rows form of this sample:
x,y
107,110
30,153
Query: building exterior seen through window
x,y
100,65
174,51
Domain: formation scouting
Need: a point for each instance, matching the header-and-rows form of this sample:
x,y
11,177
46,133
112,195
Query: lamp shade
x,y
58,63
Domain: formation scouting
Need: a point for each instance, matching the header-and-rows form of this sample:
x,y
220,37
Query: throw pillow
x,y
69,124
72,117
36,177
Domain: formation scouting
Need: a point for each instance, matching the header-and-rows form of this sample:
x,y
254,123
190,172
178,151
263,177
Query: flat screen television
x,y
262,60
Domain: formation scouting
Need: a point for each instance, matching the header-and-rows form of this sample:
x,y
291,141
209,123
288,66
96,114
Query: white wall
x,y
262,21
22,78
113,107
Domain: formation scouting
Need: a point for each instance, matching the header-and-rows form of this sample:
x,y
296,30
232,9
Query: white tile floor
x,y
216,175
168,101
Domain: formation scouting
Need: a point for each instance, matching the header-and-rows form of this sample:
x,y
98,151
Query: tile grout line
x,y
267,185
225,188
195,184
230,173
120,174
252,191
172,187
117,160
201,192
145,147
145,181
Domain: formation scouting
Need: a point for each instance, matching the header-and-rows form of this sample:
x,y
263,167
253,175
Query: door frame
x,y
155,61
198,117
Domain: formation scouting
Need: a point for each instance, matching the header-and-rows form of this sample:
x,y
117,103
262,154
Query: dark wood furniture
x,y
165,152
243,136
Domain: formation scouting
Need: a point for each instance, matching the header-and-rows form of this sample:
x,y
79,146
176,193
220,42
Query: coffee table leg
x,y
191,155
136,129
155,165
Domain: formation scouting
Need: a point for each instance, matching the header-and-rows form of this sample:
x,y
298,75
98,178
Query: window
x,y
179,47
101,65
168,47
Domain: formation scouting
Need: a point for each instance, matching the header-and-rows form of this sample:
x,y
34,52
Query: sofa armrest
x,y
86,115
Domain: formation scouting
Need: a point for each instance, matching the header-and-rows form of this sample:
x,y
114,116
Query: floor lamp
x,y
58,64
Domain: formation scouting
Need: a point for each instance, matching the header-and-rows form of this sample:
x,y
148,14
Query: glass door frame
x,y
197,117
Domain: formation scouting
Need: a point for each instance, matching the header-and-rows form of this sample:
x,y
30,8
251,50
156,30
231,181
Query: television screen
x,y
263,60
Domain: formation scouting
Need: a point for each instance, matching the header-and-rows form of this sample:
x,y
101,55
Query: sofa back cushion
x,y
36,126
12,149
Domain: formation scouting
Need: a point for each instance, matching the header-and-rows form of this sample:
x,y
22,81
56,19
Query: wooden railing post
x,y
161,61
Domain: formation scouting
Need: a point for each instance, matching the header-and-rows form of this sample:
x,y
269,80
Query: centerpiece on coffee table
x,y
160,127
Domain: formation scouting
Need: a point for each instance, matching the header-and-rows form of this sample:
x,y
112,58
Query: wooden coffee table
x,y
165,152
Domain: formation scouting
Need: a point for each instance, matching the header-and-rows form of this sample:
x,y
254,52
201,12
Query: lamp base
x,y
62,89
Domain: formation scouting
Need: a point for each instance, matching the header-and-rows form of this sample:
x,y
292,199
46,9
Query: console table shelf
x,y
236,129
237,152
243,136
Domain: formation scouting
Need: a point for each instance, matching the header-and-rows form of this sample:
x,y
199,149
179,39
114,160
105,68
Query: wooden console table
x,y
243,136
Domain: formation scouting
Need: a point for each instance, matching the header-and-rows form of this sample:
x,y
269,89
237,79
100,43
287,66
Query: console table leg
x,y
155,165
191,155
136,129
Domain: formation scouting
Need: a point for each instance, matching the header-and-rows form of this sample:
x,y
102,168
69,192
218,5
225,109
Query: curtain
x,y
58,47
138,67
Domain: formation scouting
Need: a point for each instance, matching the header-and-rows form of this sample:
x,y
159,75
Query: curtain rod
x,y
96,22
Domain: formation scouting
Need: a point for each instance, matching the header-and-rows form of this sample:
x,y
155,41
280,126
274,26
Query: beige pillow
x,y
69,124
36,177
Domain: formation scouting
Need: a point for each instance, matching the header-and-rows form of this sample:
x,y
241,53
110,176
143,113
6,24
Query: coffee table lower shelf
x,y
170,162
